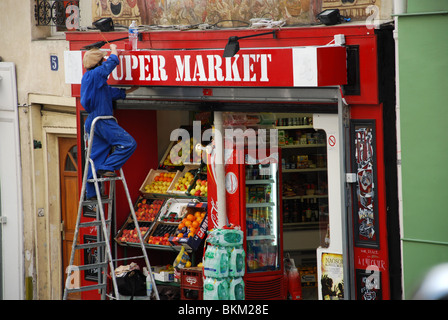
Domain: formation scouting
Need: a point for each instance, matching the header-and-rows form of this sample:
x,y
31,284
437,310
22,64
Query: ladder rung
x,y
92,223
104,179
90,245
87,288
92,266
95,201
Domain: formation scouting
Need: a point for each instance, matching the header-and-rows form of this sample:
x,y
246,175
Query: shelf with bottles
x,y
262,255
310,162
300,134
304,213
314,196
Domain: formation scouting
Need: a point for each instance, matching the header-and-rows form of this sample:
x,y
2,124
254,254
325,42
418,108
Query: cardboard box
x,y
192,243
176,206
164,276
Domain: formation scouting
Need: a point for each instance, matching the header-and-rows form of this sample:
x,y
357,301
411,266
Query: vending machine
x,y
253,202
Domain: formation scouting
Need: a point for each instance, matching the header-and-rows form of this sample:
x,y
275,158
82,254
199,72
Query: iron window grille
x,y
52,12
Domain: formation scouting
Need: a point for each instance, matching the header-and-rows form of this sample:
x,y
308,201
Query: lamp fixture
x,y
104,24
233,45
331,17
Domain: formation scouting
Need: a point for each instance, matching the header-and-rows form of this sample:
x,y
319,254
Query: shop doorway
x,y
68,173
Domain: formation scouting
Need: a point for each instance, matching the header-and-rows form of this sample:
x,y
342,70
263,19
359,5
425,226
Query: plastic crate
x,y
191,294
191,278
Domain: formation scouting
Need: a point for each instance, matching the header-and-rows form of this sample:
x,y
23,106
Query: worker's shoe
x,y
106,173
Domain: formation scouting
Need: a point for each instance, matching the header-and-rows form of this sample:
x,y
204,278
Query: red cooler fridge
x,y
253,200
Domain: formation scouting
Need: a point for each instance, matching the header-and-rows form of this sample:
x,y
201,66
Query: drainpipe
x,y
219,167
400,7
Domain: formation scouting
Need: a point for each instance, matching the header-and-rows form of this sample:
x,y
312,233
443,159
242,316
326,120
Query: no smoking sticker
x,y
331,141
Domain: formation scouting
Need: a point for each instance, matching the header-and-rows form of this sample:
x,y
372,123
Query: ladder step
x,y
92,266
90,245
105,179
95,201
92,223
87,288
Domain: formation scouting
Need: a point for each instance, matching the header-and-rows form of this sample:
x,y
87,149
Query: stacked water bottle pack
x,y
224,265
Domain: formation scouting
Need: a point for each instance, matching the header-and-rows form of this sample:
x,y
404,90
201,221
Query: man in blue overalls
x,y
97,99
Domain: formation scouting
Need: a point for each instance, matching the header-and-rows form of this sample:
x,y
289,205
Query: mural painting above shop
x,y
232,13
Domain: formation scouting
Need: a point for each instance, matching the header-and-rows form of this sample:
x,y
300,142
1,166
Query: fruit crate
x,y
128,234
152,178
160,233
192,241
178,180
165,163
202,177
147,210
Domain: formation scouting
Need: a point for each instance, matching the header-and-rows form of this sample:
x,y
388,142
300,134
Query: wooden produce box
x,y
179,185
157,182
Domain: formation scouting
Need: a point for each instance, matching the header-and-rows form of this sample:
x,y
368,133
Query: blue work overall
x,y
97,99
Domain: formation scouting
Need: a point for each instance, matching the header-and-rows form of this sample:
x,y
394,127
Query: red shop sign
x,y
257,67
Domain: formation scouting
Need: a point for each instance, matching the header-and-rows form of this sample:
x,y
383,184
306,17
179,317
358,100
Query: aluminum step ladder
x,y
102,223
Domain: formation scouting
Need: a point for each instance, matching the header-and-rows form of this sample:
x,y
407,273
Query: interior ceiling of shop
x,y
309,100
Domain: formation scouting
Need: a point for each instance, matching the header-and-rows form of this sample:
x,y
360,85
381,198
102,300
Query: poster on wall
x,y
368,284
365,211
332,279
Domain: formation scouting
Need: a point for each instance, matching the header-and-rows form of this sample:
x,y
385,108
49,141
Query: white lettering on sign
x,y
215,67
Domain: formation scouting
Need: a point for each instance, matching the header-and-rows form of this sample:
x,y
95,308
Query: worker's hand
x,y
113,49
132,89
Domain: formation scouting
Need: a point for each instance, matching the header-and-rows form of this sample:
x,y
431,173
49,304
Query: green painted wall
x,y
427,5
423,70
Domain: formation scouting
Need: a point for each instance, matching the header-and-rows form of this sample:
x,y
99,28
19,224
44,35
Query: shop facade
x,y
331,86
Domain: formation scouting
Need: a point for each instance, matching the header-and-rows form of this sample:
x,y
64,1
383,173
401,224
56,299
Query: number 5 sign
x,y
54,63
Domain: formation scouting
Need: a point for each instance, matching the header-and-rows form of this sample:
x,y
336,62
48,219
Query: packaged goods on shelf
x,y
224,265
163,273
308,276
157,182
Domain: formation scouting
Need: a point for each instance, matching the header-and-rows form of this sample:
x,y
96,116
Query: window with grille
x,y
64,15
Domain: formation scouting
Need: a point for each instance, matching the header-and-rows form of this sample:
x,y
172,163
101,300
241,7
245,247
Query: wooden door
x,y
68,172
